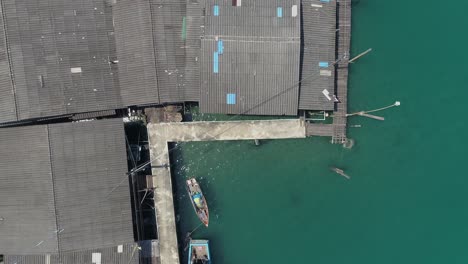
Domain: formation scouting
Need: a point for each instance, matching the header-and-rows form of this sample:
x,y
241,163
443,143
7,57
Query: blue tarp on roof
x,y
220,47
279,12
231,99
215,62
323,64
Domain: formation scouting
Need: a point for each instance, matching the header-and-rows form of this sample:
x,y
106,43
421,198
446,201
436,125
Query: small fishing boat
x,y
198,201
199,252
340,172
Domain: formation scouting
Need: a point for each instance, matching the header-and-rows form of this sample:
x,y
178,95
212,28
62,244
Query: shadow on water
x,y
355,3
295,199
141,193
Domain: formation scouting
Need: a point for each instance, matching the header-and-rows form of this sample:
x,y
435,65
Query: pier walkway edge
x,y
160,134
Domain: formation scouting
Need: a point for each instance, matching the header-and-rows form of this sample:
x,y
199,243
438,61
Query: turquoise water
x,y
406,201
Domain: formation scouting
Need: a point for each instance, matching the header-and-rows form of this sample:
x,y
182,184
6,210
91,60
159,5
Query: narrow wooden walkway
x,y
321,130
344,37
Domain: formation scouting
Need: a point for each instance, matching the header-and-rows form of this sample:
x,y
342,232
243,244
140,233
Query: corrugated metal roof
x,y
7,97
88,162
28,222
259,61
60,55
167,22
194,31
56,188
46,39
151,36
64,56
135,49
319,34
109,255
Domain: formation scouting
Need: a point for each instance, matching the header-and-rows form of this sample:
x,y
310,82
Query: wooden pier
x,y
344,39
317,129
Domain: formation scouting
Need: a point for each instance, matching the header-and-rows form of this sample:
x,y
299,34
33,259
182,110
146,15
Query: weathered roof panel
x,y
151,42
7,96
319,34
136,53
168,24
56,188
123,254
60,55
26,193
250,58
193,34
88,162
65,58
262,76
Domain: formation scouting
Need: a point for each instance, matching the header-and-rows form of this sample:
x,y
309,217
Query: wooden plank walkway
x,y
321,130
344,39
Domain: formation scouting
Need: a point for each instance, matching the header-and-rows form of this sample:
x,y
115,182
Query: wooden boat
x,y
198,201
340,172
199,252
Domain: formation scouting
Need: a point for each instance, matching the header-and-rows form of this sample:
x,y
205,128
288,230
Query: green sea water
x,y
407,199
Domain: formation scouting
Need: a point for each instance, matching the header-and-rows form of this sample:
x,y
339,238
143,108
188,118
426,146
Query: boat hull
x,y
198,201
199,252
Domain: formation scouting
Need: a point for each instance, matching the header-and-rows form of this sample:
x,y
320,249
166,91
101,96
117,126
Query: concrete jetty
x,y
160,134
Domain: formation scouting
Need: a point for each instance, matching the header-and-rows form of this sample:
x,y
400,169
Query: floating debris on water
x,y
349,143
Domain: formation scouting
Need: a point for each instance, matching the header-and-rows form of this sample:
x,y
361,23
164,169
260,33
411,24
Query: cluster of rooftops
x,y
234,57
62,194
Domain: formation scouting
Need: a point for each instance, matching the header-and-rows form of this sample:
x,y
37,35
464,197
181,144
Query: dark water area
x,y
406,200
136,139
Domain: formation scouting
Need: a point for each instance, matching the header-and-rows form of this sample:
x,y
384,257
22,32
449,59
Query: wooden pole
x,y
372,116
366,113
360,55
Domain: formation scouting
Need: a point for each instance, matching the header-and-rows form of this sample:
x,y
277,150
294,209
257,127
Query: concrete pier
x,y
161,134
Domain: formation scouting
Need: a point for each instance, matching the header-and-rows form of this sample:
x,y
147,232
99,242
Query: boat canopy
x,y
197,198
